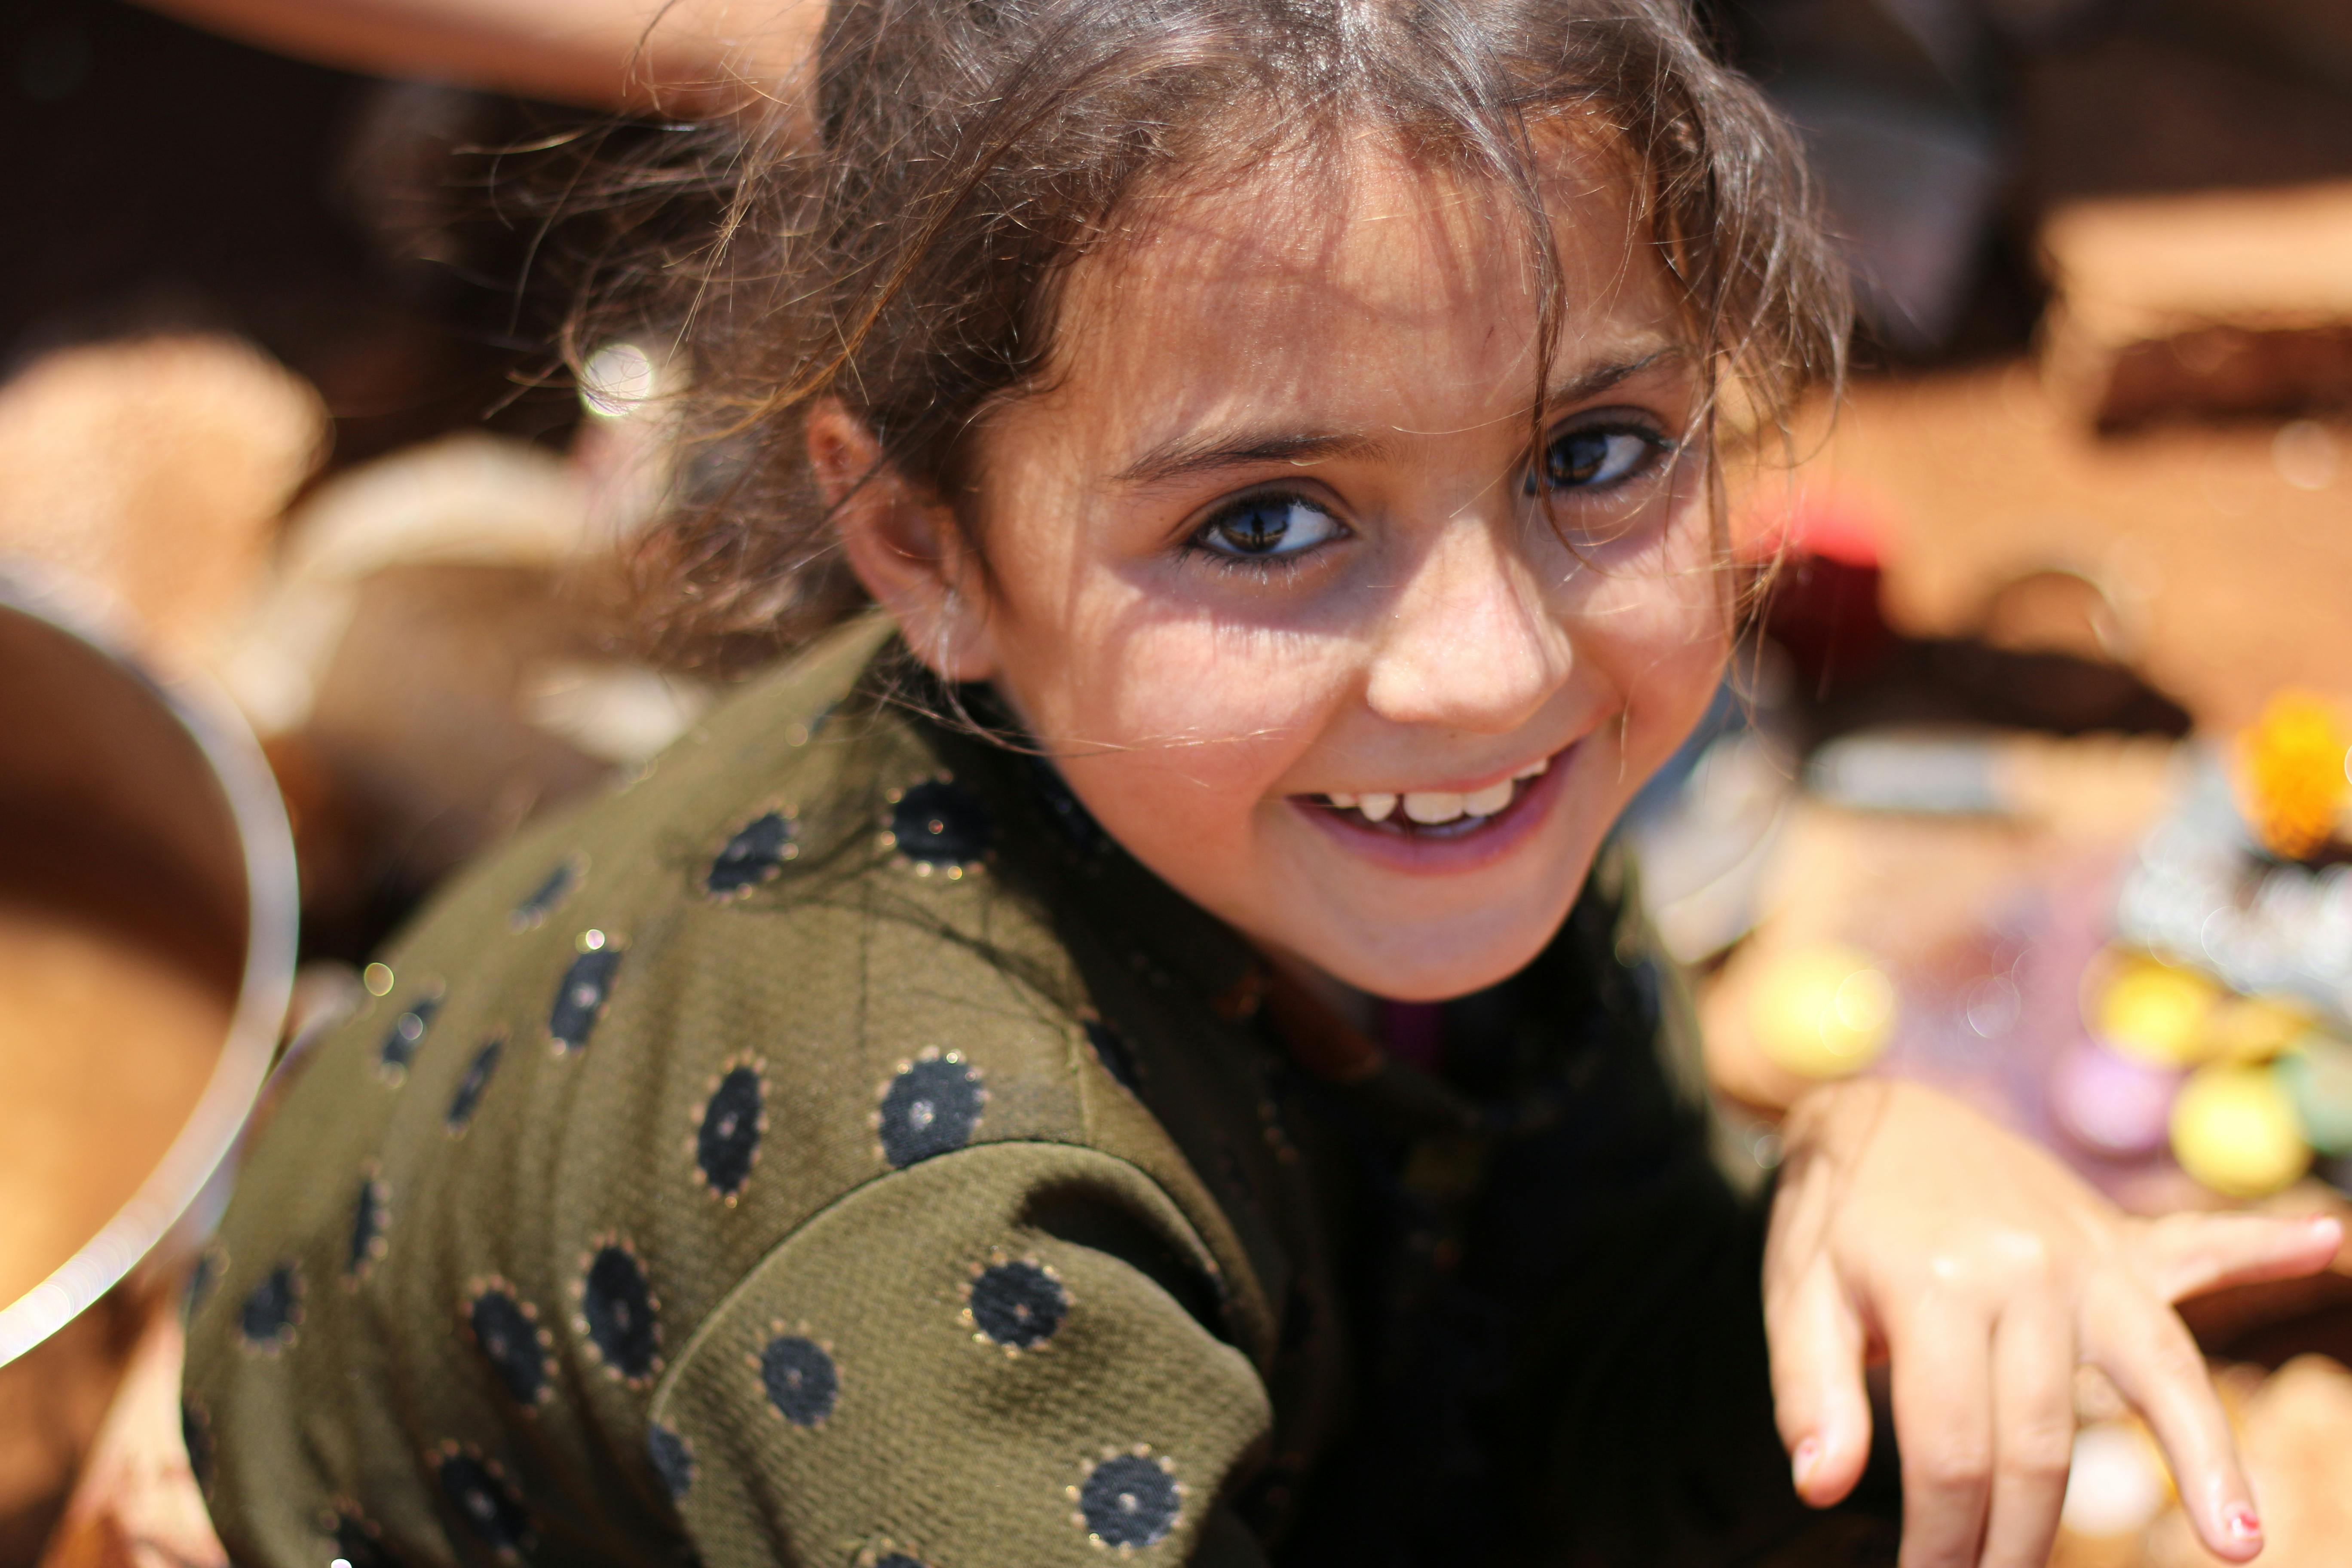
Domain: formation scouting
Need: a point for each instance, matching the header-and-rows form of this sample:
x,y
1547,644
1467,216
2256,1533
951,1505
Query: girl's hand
x,y
1986,1272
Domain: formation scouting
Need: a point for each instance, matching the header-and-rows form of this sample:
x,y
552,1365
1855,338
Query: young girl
x,y
1138,1042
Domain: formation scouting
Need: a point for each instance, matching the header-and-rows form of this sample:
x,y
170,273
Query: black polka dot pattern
x,y
472,1087
727,1141
1018,1304
272,1310
617,1313
507,1331
402,1041
357,1540
479,1491
799,1378
580,999
532,912
196,1437
673,1461
932,1107
939,824
1130,1501
370,1214
1116,1056
755,855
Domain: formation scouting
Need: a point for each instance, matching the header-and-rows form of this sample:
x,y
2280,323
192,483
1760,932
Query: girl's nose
x,y
1468,645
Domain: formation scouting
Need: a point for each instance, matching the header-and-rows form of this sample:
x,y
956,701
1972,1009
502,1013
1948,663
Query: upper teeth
x,y
1431,806
1488,801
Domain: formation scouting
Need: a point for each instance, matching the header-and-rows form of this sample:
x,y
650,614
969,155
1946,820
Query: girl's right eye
x,y
1268,527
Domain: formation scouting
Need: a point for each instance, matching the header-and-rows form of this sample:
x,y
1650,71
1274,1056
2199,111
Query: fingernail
x,y
1808,1456
2238,1521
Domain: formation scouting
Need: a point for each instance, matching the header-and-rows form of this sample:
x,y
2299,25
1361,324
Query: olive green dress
x,y
830,1149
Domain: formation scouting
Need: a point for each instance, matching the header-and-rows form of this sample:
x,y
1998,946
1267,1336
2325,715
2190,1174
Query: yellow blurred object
x,y
1823,1012
2235,1128
2155,1012
2296,783
2252,1029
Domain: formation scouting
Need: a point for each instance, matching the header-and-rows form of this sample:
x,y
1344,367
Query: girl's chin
x,y
1444,968
1425,954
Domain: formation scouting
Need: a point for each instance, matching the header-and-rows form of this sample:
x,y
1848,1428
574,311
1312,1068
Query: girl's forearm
x,y
687,57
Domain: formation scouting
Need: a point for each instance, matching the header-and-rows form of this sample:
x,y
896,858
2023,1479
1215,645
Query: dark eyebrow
x,y
1182,455
1192,453
1596,379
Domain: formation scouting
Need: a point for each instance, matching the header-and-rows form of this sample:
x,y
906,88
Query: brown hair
x,y
905,259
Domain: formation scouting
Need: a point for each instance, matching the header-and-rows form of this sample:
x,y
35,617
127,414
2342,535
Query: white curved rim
x,y
273,905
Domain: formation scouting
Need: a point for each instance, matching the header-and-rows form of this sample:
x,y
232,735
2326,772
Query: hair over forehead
x,y
907,259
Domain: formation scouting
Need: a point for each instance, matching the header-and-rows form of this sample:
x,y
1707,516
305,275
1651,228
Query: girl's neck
x,y
1337,1030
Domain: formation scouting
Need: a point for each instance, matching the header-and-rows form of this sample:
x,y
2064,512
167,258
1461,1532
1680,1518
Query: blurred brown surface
x,y
137,1504
107,1038
2226,547
2196,100
51,1404
2235,303
156,468
418,718
180,182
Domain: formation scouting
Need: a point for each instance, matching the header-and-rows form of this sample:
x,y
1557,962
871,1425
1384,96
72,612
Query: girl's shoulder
x,y
622,1062
805,897
740,1091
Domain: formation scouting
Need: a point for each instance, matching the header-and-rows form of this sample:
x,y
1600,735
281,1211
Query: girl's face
x,y
1270,575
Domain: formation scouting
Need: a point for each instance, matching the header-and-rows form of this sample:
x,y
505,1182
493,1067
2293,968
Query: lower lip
x,y
1465,845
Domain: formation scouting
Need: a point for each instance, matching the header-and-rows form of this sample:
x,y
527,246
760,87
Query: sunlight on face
x,y
1272,579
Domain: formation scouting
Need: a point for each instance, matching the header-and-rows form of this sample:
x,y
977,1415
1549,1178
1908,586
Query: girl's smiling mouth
x,y
1435,809
1440,829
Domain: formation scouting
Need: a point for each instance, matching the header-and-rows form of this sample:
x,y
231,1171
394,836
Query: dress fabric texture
x,y
830,1149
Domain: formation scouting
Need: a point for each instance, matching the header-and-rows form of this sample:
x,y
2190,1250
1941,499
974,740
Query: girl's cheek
x,y
1662,627
1234,693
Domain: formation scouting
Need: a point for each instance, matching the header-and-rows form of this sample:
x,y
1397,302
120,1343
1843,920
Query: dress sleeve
x,y
1006,1355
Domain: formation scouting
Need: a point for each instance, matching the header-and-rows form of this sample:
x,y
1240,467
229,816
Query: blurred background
x,y
2031,779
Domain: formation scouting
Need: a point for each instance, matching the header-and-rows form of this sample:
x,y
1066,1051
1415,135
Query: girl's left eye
x,y
1268,527
1595,458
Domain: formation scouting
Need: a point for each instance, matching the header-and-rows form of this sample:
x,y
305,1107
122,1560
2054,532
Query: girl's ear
x,y
905,547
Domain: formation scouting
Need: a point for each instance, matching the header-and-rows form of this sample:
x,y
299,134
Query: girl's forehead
x,y
1371,289
1367,225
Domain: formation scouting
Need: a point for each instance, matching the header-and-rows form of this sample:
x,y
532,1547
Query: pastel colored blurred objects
x,y
2317,1077
1823,1012
2235,1128
2112,1104
2253,1028
2154,1012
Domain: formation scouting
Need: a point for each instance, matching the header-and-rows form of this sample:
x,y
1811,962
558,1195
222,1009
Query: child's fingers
x,y
1818,1396
2147,1351
2034,1435
1941,1356
2188,1253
